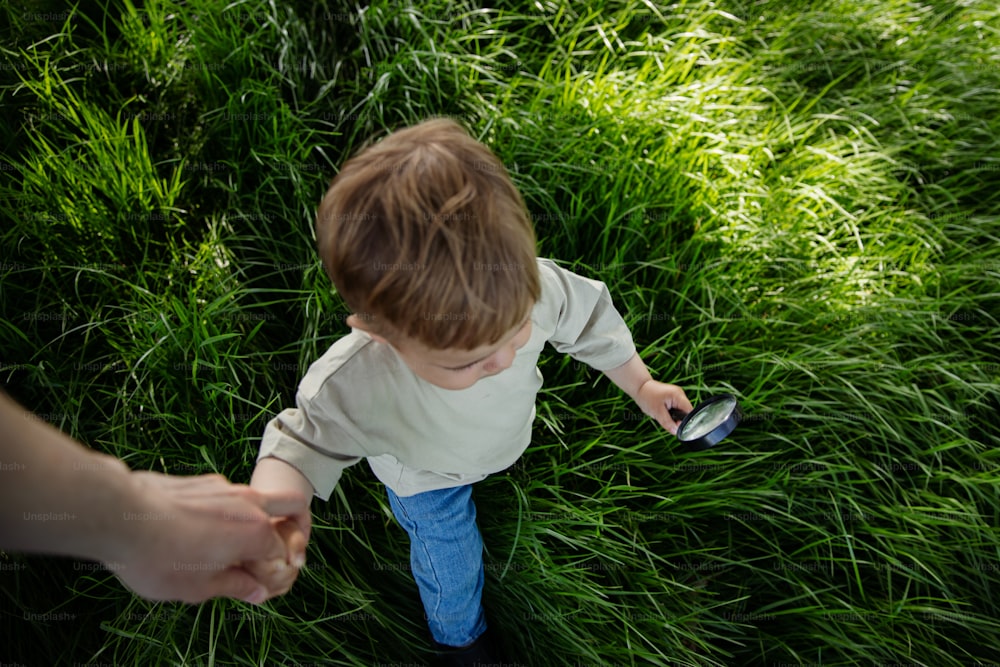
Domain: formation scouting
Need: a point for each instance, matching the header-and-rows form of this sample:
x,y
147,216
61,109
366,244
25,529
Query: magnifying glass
x,y
709,422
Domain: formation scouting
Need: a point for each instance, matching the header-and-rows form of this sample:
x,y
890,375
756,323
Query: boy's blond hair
x,y
425,236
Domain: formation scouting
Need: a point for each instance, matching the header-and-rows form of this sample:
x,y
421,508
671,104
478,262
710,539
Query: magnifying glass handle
x,y
677,415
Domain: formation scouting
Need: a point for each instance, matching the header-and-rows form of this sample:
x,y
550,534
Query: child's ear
x,y
356,322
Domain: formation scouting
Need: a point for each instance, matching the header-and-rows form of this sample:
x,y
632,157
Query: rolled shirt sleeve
x,y
318,443
587,326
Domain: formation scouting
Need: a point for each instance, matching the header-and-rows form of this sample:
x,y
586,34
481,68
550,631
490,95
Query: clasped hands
x,y
203,537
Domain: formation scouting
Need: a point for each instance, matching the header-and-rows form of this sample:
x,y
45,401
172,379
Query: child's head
x,y
429,242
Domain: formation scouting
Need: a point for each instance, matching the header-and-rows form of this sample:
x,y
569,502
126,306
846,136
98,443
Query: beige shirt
x,y
359,400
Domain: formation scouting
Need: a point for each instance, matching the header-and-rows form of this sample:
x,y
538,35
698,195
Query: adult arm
x,y
165,537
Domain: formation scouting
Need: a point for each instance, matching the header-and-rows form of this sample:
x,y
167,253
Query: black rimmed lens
x,y
710,422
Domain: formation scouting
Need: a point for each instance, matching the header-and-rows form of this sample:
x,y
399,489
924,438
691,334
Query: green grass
x,y
797,205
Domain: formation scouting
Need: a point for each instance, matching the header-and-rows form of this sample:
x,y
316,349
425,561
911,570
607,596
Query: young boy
x,y
429,243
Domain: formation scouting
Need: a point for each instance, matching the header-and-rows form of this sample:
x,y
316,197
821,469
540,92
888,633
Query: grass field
x,y
795,202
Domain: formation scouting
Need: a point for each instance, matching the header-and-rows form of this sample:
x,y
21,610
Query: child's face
x,y
459,369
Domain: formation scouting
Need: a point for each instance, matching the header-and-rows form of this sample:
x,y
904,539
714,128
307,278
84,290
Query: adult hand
x,y
194,536
166,537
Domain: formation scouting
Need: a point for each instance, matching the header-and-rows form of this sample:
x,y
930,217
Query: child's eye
x,y
465,368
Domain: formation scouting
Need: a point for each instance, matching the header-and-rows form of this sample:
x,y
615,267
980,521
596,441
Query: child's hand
x,y
279,574
657,399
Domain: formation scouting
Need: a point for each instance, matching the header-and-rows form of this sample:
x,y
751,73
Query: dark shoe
x,y
481,653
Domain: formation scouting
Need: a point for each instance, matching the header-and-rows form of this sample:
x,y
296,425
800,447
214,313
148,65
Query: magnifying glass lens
x,y
705,421
710,422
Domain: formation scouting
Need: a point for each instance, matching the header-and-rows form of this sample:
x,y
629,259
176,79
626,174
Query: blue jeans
x,y
446,559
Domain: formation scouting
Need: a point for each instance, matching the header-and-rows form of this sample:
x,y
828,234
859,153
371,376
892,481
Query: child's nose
x,y
500,361
504,357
